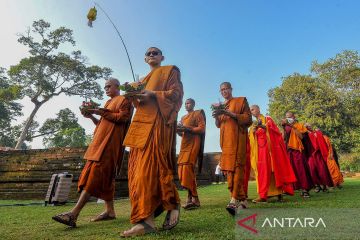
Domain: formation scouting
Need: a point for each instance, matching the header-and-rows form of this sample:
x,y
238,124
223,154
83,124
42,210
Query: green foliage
x,y
329,99
63,131
9,110
48,72
350,162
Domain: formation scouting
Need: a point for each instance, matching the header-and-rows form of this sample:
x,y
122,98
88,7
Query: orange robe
x,y
152,136
334,170
274,171
105,153
190,148
233,142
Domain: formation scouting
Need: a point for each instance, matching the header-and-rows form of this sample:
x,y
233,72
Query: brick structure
x,y
25,174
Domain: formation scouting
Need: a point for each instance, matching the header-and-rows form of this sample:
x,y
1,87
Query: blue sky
x,y
252,44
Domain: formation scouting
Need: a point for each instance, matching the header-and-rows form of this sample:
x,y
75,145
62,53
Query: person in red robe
x,y
293,134
274,172
319,171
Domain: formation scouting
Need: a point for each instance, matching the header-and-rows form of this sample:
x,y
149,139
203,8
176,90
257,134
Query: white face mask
x,y
290,120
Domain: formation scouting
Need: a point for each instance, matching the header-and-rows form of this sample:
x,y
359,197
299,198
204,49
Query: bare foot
x,y
137,229
174,214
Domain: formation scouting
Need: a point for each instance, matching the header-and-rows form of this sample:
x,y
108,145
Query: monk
x,y
271,164
328,152
319,171
192,130
293,134
151,138
233,122
104,155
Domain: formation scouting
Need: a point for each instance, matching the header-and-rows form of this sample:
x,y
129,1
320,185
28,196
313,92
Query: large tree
x,y
328,98
63,131
9,109
48,72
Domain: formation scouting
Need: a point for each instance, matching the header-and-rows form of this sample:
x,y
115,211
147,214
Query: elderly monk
x,y
233,122
328,153
319,171
271,164
192,130
293,134
104,155
151,138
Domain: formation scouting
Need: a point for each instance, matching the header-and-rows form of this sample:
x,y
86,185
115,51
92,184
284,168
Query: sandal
x,y
191,205
259,200
66,218
317,189
231,208
102,217
146,230
305,194
166,225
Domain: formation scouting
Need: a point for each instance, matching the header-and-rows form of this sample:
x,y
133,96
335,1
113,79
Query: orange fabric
x,y
294,141
233,141
104,154
334,170
151,137
187,177
189,151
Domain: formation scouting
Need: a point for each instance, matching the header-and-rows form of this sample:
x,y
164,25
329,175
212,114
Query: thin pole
x,y
132,71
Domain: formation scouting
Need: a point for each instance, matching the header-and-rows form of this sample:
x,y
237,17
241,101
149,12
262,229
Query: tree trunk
x,y
27,126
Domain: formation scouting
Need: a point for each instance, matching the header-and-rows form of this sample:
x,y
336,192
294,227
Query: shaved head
x,y
255,110
114,81
227,84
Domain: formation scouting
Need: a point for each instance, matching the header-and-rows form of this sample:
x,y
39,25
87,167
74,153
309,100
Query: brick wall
x,y
25,174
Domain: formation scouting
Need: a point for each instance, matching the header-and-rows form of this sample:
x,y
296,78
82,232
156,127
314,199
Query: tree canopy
x,y
328,98
48,72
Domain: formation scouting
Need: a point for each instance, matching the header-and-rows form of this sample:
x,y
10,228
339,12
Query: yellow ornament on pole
x,y
91,16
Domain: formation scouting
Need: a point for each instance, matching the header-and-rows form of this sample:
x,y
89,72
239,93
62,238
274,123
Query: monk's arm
x,y
244,118
169,98
123,115
200,129
94,119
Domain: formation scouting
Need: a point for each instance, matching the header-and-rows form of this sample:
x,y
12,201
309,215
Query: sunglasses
x,y
154,53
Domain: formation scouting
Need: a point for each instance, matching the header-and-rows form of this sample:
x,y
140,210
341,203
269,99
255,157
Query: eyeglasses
x,y
107,86
154,53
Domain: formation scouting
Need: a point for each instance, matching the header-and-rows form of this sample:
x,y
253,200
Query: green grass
x,y
211,221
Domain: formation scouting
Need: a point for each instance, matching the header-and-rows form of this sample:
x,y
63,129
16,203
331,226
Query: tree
x,y
48,72
9,109
63,131
328,98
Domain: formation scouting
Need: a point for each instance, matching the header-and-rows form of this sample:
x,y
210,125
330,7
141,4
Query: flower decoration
x,y
88,105
132,88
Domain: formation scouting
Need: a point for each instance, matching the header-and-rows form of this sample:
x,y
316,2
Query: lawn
x,y
211,221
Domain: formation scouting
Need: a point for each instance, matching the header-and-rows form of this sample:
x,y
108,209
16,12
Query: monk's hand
x,y
145,96
96,111
217,112
228,113
188,129
86,114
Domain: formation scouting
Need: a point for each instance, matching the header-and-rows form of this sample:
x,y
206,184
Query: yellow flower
x,y
91,16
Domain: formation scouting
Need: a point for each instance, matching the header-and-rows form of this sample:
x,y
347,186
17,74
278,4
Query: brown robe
x,y
233,140
105,153
189,151
152,136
